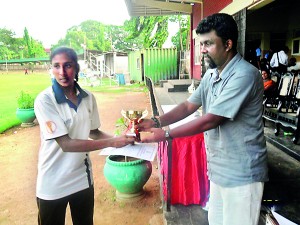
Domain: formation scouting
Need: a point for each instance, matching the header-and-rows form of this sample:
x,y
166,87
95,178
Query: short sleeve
x,y
51,123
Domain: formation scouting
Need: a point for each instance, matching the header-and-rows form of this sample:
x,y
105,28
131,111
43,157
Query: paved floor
x,y
281,192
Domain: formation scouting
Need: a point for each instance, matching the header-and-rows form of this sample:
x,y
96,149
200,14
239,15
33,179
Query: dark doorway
x,y
143,67
277,41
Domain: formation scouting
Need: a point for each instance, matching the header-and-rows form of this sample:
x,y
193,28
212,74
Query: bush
x,y
25,101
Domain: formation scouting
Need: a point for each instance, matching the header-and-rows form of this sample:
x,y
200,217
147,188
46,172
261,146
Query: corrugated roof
x,y
159,7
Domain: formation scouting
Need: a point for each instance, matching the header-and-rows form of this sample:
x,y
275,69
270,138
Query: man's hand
x,y
145,125
154,135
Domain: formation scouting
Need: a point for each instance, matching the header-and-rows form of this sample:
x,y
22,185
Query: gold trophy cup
x,y
134,117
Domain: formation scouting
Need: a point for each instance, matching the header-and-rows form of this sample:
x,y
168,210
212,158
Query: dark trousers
x,y
53,212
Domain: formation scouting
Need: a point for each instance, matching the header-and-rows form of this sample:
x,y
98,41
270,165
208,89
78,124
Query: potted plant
x,y
127,175
25,111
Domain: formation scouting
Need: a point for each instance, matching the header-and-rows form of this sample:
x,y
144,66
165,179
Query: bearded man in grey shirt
x,y
231,95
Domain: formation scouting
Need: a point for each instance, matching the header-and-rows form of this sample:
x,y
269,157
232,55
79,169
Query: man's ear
x,y
228,45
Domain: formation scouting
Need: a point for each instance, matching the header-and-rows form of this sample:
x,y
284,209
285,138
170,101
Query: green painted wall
x,y
134,66
158,64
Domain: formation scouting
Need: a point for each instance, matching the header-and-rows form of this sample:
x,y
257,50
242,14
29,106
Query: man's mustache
x,y
207,56
210,61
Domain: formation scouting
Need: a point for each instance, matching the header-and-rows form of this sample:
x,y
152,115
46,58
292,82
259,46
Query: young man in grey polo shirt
x,y
230,94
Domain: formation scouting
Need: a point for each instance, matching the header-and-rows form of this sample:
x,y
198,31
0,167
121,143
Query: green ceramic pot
x,y
128,178
26,116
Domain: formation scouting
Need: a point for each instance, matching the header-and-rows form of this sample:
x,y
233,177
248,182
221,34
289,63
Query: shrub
x,y
25,101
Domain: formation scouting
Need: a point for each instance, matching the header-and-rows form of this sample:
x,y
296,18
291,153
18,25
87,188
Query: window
x,y
138,66
197,52
296,46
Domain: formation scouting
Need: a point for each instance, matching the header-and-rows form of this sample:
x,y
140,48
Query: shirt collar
x,y
230,66
217,76
59,93
214,73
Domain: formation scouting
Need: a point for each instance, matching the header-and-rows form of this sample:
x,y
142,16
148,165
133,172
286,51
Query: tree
x,y
37,49
180,38
90,33
28,44
97,36
119,41
31,48
136,33
6,44
73,39
152,29
14,48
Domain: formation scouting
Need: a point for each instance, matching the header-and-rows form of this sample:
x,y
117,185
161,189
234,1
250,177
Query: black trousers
x,y
53,212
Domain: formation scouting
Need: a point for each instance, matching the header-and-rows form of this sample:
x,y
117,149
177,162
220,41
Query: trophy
x,y
134,117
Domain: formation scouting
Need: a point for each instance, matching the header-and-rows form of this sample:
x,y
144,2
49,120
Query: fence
x,y
14,67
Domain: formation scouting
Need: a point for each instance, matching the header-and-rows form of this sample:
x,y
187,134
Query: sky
x,y
48,21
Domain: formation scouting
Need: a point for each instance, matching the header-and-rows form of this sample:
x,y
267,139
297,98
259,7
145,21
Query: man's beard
x,y
209,63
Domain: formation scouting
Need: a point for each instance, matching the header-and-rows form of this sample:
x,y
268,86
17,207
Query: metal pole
x,y
84,52
6,63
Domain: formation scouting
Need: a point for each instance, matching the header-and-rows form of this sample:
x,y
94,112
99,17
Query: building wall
x,y
158,64
134,65
213,6
196,18
161,64
121,64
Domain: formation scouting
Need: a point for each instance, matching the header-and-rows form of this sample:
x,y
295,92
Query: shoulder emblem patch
x,y
50,127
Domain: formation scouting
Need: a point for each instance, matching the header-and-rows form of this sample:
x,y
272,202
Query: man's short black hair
x,y
223,24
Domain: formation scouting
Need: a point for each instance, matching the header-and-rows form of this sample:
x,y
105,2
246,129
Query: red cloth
x,y
190,183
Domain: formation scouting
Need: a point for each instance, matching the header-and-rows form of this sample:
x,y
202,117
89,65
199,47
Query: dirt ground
x,y
18,170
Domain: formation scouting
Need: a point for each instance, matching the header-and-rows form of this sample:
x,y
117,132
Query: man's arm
x,y
178,113
199,125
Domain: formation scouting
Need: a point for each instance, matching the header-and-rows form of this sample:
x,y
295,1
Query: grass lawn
x,y
13,83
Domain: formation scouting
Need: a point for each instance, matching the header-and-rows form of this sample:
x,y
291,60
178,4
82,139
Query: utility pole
x,y
6,63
